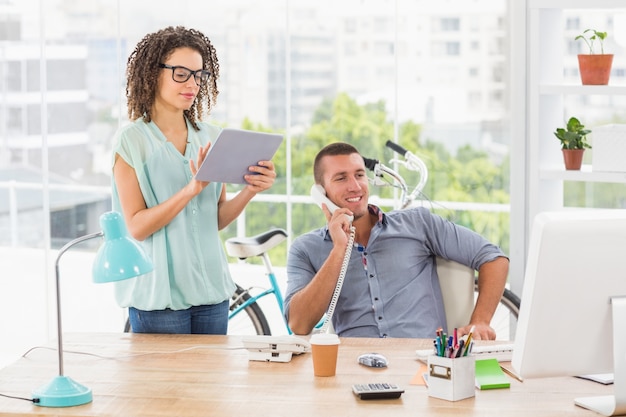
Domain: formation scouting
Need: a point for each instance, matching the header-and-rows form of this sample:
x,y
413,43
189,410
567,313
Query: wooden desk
x,y
197,376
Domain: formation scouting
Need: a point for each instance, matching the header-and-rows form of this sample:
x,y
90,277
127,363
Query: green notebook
x,y
489,375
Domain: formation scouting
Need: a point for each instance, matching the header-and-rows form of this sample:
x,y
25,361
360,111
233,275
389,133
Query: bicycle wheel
x,y
504,320
251,320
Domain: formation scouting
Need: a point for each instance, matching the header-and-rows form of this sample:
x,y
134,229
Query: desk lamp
x,y
119,258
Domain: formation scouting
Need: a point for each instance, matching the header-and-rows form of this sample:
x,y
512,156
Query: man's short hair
x,y
333,149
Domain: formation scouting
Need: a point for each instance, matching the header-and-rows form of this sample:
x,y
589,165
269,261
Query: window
x,y
404,66
572,23
450,24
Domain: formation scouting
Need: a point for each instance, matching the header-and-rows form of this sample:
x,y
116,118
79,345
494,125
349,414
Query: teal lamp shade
x,y
120,257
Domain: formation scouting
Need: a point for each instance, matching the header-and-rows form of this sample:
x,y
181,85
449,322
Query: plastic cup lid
x,y
324,339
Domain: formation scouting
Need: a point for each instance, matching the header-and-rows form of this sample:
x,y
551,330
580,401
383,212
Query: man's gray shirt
x,y
391,288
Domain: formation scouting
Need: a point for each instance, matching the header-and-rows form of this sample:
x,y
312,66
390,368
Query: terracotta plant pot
x,y
573,158
595,69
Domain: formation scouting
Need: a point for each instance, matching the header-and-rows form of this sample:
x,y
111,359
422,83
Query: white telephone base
x,y
274,348
269,356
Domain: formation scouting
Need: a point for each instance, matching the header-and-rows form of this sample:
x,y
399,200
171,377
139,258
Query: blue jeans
x,y
209,319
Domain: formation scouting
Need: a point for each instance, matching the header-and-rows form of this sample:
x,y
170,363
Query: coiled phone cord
x,y
342,274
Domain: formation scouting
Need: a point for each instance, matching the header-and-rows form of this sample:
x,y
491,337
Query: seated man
x,y
391,288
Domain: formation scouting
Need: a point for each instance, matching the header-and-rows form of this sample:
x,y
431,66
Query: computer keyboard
x,y
501,352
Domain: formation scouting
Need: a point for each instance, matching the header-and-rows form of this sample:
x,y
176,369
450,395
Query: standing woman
x,y
171,83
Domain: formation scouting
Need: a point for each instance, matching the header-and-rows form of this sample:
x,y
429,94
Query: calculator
x,y
377,391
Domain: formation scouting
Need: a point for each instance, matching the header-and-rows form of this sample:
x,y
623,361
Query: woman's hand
x,y
263,178
196,186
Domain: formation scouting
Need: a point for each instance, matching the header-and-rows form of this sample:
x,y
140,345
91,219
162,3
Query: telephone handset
x,y
319,196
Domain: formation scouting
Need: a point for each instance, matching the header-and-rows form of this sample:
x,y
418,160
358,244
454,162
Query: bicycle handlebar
x,y
370,163
410,161
396,148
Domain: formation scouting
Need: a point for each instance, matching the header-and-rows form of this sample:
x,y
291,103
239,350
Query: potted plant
x,y
594,68
573,140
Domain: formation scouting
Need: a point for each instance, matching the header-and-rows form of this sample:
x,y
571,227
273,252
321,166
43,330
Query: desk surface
x,y
180,375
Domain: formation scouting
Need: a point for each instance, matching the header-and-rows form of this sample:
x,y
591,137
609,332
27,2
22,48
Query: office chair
x,y
457,288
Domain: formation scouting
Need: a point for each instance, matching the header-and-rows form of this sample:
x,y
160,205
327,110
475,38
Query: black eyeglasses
x,y
182,74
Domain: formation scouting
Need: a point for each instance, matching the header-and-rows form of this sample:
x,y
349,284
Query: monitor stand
x,y
613,405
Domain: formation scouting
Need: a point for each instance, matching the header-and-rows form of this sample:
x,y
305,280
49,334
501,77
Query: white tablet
x,y
234,151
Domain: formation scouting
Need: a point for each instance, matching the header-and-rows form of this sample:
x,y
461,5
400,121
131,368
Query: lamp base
x,y
62,391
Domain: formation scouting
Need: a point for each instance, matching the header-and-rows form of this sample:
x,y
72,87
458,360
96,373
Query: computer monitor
x,y
572,320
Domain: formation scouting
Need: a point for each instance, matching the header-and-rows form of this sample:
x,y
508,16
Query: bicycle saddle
x,y
245,247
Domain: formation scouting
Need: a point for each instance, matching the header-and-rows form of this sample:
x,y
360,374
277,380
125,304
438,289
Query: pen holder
x,y
451,379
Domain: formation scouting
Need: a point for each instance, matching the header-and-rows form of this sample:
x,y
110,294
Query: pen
x,y
442,342
439,335
460,349
511,373
468,341
452,346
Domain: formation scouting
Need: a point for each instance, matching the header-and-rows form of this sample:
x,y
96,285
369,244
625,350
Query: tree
x,y
470,176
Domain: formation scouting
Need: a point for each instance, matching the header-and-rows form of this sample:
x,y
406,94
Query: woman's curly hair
x,y
142,71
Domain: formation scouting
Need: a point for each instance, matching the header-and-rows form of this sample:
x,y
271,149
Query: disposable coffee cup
x,y
324,348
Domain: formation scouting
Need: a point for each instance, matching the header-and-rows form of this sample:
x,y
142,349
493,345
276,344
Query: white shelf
x,y
576,4
572,89
586,174
547,94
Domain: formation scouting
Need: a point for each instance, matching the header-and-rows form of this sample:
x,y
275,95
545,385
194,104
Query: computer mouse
x,y
373,360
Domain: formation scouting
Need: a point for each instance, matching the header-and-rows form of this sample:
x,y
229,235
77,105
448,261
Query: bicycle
x,y
244,301
504,320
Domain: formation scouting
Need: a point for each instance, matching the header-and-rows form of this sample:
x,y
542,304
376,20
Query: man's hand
x,y
481,331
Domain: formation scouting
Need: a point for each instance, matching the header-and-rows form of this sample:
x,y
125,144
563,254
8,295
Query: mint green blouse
x,y
190,266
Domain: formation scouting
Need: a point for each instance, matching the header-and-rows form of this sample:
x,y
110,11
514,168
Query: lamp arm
x,y
58,290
